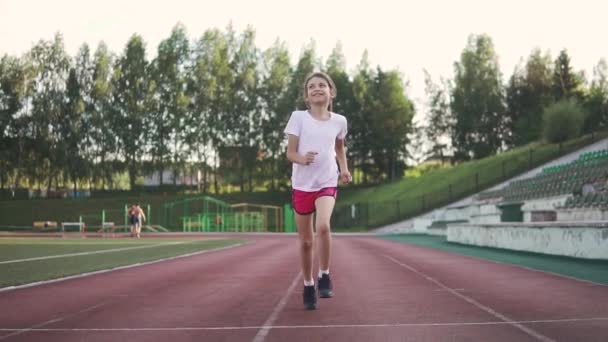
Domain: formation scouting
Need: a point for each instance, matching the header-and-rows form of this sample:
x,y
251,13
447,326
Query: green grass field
x,y
27,260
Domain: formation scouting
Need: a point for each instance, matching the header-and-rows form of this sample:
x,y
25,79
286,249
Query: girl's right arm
x,y
294,156
292,149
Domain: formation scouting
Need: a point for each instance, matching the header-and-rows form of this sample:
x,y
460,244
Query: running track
x,y
385,291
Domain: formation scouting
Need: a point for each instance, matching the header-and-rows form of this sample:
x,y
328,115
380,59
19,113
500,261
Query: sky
x,y
409,36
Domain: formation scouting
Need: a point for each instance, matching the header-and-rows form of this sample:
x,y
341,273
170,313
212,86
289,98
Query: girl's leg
x,y
324,207
305,232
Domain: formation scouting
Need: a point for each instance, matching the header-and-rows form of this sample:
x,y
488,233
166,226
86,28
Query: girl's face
x,y
318,91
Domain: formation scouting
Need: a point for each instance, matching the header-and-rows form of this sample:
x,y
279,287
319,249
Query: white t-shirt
x,y
316,136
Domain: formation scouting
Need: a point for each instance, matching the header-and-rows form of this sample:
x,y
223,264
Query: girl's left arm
x,y
341,157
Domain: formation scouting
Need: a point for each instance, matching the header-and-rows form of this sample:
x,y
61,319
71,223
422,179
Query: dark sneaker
x,y
310,297
325,288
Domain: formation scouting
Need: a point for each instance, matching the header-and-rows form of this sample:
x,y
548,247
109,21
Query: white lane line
x,y
91,252
489,310
10,288
331,326
559,275
444,290
588,282
474,258
38,327
265,328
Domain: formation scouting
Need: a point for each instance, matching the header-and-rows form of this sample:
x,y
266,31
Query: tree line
x,y
81,121
544,99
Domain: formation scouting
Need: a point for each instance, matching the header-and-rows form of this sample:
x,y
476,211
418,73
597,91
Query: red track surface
x,y
384,291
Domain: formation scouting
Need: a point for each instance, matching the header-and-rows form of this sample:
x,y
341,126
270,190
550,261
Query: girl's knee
x,y
323,228
306,244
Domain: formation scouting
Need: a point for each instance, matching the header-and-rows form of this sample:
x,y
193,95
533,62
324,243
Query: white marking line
x,y
332,326
444,290
9,288
265,328
489,310
37,327
91,253
589,282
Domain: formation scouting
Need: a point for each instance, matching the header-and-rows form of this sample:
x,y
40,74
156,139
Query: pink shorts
x,y
304,201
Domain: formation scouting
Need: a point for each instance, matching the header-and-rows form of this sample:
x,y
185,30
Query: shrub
x,y
563,120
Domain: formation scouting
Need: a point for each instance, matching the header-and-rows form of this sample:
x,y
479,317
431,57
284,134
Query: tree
x,y
306,65
243,114
212,84
439,117
70,127
202,90
391,123
101,117
79,108
361,137
12,92
336,69
566,84
18,86
416,150
169,101
50,66
276,104
478,101
563,120
130,94
344,103
528,93
597,100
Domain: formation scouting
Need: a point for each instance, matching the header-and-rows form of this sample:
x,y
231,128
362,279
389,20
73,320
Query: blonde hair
x,y
330,82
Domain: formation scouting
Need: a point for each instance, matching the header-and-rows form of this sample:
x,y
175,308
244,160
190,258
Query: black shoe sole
x,y
326,293
310,306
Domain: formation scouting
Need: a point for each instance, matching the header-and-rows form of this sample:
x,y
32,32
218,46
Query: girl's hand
x,y
346,177
309,158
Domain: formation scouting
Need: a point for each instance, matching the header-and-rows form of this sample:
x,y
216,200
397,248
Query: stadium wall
x,y
575,239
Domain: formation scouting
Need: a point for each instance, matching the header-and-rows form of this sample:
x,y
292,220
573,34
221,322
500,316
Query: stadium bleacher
x,y
560,210
584,181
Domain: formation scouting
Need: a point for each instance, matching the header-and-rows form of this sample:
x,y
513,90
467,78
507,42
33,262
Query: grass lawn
x,y
26,260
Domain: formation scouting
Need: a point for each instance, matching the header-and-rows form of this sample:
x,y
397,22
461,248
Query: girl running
x,y
315,142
